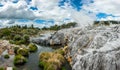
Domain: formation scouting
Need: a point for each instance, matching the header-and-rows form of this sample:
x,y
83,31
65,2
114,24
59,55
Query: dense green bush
x,y
23,52
32,47
19,60
17,38
6,56
20,40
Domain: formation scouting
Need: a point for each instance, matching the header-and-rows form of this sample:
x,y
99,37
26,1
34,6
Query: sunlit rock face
x,y
94,48
97,49
91,47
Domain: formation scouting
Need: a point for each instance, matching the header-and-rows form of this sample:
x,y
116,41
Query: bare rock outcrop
x,y
91,48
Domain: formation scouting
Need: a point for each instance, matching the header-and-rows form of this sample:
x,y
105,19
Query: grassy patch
x,y
51,60
60,51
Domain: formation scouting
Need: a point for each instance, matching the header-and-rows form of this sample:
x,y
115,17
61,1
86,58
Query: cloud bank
x,y
82,11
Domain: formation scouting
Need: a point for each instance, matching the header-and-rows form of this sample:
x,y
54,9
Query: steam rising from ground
x,y
82,18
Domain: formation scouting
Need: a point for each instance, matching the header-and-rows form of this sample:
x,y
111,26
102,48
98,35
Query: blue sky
x,y
46,13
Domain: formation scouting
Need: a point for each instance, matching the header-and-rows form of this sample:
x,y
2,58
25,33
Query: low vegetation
x,y
60,51
18,34
32,47
16,49
23,52
1,68
6,56
106,23
58,27
52,60
21,34
19,60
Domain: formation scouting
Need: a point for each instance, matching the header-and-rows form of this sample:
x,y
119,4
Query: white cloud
x,y
49,9
5,22
20,10
45,4
16,11
111,18
46,10
104,6
82,17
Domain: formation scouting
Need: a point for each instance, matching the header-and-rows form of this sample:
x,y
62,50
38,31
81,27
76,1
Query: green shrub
x,y
6,56
22,41
17,33
32,47
6,32
63,68
17,38
11,41
16,49
26,38
23,52
14,68
19,60
1,68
